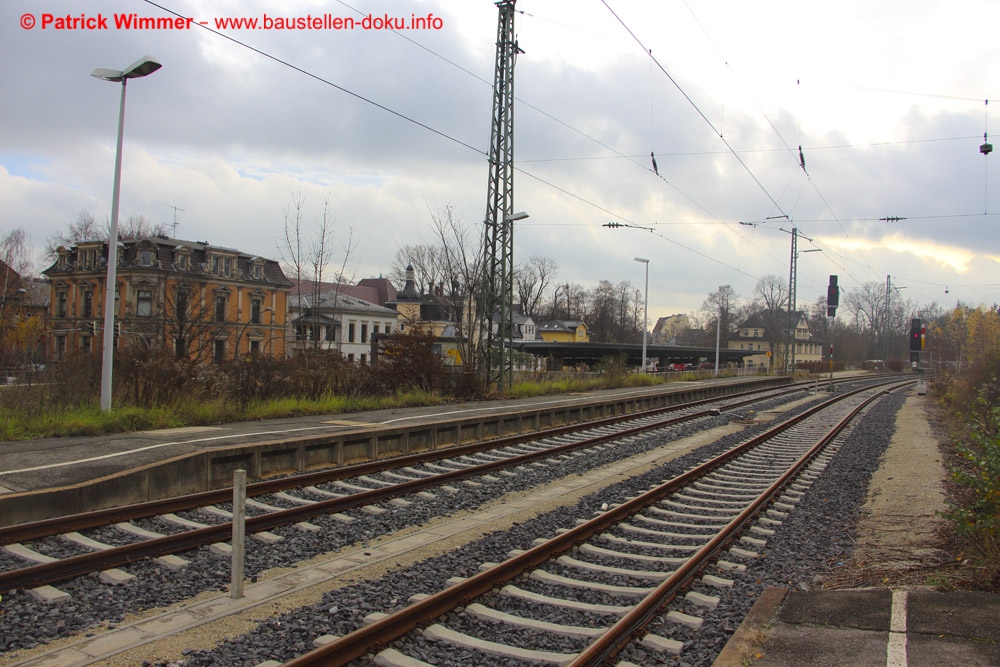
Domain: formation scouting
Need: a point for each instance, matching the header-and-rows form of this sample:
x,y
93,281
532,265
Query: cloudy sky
x,y
887,100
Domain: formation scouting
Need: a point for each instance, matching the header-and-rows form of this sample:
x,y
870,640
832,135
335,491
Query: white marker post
x,y
239,532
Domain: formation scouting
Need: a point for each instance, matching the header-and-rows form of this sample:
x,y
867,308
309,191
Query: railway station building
x,y
764,337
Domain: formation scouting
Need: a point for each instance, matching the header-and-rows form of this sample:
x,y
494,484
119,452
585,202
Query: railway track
x,y
642,553
540,450
295,500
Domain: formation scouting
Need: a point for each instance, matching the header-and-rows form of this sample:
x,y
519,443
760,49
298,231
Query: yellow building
x,y
202,302
564,331
755,335
444,314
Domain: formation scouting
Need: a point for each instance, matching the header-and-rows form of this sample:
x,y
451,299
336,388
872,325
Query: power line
x,y
695,107
325,81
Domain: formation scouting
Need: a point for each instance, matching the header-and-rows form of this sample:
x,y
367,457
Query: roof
x,y
165,246
567,326
379,291
334,300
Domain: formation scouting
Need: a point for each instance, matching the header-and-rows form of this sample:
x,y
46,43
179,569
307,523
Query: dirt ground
x,y
903,542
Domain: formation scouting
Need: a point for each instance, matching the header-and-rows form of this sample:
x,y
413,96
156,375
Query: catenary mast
x,y
497,294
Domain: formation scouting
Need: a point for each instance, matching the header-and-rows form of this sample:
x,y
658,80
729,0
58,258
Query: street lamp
x,y
16,294
645,311
718,328
142,67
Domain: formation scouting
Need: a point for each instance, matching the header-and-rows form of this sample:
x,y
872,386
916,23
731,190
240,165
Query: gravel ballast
x,y
814,538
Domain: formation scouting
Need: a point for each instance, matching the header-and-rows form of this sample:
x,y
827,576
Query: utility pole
x,y
792,274
885,321
497,300
793,320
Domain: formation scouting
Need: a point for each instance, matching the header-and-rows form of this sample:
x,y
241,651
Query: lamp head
x,y
142,67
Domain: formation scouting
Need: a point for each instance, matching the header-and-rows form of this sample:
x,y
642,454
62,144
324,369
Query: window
x,y
255,309
364,333
331,333
118,300
181,300
258,271
255,347
364,358
146,257
60,348
220,307
350,334
62,304
219,353
183,261
222,266
86,344
144,303
350,357
88,304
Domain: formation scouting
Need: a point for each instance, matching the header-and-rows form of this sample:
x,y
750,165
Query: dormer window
x,y
222,266
258,271
146,257
182,258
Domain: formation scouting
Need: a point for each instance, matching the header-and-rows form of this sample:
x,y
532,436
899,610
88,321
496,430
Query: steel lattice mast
x,y
792,320
497,295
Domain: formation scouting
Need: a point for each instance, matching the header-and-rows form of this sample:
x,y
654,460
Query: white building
x,y
333,320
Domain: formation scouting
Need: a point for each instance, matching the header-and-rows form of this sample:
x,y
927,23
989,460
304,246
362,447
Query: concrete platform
x,y
867,628
43,477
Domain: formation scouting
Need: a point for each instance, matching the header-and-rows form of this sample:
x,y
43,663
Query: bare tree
x,y
462,263
719,312
427,261
84,228
15,252
137,227
770,304
321,255
188,319
307,260
533,279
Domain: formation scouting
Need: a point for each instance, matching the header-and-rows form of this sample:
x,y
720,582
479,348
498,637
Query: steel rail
x,y
67,568
358,643
84,520
632,623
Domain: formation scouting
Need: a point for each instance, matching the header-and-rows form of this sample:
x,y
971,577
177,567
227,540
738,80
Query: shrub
x,y
975,512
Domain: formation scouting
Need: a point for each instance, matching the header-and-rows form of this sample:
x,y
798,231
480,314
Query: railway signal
x,y
832,297
916,335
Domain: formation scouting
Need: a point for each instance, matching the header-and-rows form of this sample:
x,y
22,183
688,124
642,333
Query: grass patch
x,y
19,424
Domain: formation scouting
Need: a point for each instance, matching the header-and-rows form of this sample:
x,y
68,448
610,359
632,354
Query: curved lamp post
x,y
142,67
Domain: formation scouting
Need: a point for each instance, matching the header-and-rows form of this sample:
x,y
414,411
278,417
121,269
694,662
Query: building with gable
x,y
755,335
202,302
